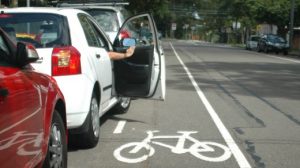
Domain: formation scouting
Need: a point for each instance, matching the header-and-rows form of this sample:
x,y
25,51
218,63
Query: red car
x,y
32,111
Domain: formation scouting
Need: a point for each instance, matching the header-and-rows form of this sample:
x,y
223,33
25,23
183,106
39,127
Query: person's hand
x,y
129,51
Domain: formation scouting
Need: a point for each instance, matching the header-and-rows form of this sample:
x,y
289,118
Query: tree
x,y
158,8
273,12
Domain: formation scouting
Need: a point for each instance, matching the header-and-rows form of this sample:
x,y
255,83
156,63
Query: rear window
x,y
107,19
255,38
40,29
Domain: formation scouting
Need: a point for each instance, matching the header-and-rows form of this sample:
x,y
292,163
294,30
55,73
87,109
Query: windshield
x,y
107,19
41,30
276,39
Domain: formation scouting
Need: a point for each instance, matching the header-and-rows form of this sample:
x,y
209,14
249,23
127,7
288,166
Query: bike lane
x,y
181,113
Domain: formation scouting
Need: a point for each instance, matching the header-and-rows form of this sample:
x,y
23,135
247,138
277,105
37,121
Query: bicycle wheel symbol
x,y
145,151
208,153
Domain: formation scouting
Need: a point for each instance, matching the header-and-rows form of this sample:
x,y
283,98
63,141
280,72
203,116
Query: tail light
x,y
66,61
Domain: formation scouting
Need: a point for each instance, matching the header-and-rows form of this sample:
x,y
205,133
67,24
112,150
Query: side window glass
x,y
4,52
138,28
101,40
88,31
93,36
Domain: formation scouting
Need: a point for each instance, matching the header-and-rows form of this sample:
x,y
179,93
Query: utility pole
x,y
292,23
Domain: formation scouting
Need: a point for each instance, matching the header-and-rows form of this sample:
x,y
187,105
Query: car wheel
x,y
285,52
258,49
266,50
90,138
57,145
122,106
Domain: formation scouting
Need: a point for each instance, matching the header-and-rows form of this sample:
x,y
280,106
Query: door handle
x,y
98,56
3,92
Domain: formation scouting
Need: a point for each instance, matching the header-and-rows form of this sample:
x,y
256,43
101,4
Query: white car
x,y
251,43
74,50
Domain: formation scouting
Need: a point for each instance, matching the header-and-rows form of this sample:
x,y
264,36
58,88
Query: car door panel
x,y
133,74
21,117
140,75
99,56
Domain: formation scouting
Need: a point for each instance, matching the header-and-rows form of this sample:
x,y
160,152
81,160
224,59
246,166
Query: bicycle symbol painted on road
x,y
202,150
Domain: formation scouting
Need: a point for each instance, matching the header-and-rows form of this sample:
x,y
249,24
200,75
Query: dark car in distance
x,y
32,111
272,43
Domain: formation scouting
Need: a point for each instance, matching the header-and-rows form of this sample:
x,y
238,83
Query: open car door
x,y
143,74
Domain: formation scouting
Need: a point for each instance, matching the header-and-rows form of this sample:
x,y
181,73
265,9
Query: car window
x,y
93,36
107,19
255,38
139,29
40,29
4,51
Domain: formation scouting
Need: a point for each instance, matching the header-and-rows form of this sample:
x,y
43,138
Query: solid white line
x,y
239,156
286,59
120,127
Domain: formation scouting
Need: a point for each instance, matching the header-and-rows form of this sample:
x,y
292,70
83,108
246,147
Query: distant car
x,y
33,113
109,15
75,51
272,43
251,43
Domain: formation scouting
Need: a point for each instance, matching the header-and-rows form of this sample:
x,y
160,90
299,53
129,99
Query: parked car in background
x,y
33,113
74,50
109,15
272,43
251,43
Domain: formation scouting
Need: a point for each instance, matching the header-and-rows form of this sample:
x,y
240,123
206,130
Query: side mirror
x,y
25,54
128,42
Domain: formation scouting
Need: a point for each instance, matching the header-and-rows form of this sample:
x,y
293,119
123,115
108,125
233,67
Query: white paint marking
x,y
239,156
286,59
120,127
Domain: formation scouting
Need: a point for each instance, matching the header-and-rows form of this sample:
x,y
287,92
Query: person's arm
x,y
118,56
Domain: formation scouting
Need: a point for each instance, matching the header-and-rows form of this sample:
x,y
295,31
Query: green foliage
x,y
216,15
159,8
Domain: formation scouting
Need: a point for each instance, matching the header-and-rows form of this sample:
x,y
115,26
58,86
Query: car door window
x,y
4,52
139,29
93,36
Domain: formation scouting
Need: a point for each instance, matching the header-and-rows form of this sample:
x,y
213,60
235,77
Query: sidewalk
x,y
295,53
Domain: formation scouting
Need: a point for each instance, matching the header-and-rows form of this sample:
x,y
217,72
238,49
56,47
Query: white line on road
x,y
239,156
120,127
286,59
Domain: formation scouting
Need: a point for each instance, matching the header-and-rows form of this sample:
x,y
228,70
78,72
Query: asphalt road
x,y
225,108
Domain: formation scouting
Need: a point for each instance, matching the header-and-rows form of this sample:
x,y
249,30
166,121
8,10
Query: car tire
x,y
258,49
90,137
285,52
266,50
122,106
57,145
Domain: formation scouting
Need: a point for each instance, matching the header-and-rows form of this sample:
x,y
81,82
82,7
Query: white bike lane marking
x,y
239,156
120,127
141,151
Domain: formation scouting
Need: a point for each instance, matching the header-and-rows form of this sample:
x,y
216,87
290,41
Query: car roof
x,y
60,11
84,6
